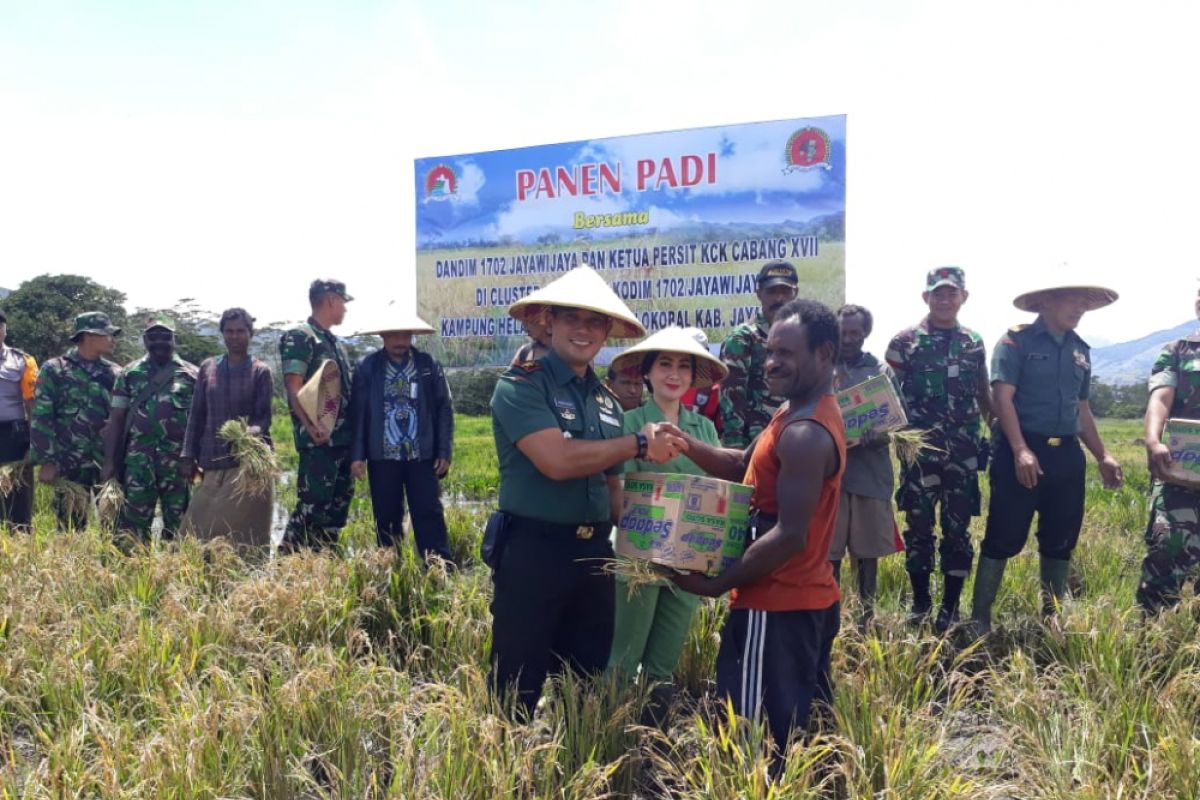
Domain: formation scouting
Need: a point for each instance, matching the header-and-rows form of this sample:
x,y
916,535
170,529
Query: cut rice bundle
x,y
256,469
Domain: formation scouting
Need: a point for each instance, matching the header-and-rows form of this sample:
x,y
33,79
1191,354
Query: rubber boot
x,y
1054,572
922,602
988,577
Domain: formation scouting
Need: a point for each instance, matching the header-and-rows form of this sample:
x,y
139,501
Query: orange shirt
x,y
805,581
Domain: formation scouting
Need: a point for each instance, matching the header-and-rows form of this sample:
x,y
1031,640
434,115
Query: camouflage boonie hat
x,y
96,322
945,276
159,321
320,287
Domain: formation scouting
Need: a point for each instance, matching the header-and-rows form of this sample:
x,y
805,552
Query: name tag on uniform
x,y
1037,357
608,419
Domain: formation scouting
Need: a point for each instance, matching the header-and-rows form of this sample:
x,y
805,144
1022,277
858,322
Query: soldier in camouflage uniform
x,y
324,485
70,408
941,367
746,403
1173,531
145,431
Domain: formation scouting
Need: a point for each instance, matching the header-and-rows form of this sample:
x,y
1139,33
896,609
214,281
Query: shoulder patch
x,y
528,367
1018,328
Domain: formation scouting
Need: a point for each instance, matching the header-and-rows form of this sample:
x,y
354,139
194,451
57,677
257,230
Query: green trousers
x,y
650,629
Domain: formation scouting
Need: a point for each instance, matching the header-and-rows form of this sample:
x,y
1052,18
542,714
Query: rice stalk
x,y
636,573
109,501
10,477
256,469
75,496
911,441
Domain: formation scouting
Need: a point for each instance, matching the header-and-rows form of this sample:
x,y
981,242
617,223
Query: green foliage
x,y
1118,402
472,389
42,310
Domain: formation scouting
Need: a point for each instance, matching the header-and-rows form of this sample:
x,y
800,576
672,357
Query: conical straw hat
x,y
395,320
580,288
709,368
1097,296
321,395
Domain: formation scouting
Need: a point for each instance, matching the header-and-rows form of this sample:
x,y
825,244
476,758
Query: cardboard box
x,y
1183,437
686,522
871,405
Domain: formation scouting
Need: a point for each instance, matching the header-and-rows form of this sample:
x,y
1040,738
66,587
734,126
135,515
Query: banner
x,y
678,223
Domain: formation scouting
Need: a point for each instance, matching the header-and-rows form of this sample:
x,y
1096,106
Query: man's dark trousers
x,y
1057,499
391,482
553,607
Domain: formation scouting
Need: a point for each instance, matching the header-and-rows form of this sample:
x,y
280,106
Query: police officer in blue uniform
x,y
561,449
1040,377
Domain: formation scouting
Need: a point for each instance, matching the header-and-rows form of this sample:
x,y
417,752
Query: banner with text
x,y
678,223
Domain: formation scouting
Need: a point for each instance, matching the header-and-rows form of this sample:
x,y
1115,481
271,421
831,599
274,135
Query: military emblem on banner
x,y
807,148
440,183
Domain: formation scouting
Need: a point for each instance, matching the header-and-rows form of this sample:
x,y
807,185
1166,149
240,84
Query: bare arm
x,y
1025,462
807,456
726,463
1158,455
1110,468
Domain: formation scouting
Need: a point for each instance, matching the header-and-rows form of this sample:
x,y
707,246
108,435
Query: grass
x,y
182,671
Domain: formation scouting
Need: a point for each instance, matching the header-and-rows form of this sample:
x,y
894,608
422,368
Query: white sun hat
x,y
582,288
709,368
395,320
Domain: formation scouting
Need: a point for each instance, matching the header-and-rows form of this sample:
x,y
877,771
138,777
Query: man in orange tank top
x,y
776,643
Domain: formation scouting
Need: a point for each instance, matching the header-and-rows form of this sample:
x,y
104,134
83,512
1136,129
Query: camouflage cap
x,y
777,272
159,321
323,286
946,276
96,322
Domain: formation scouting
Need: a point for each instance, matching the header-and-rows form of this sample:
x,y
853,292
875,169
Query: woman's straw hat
x,y
580,288
321,395
709,368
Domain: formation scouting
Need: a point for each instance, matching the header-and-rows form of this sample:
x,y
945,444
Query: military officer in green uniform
x,y
1040,377
144,437
323,485
746,404
70,408
1173,530
561,449
941,368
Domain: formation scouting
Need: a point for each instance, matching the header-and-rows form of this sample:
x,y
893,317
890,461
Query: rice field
x,y
181,671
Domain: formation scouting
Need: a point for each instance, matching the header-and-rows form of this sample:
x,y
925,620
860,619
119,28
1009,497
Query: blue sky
x,y
232,151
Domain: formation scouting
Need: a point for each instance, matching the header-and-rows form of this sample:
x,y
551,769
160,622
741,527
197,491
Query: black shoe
x,y
946,619
919,614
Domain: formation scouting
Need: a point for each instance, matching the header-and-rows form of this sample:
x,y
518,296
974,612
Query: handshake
x,y
664,441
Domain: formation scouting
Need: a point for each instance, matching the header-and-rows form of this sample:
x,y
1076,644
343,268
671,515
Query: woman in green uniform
x,y
652,623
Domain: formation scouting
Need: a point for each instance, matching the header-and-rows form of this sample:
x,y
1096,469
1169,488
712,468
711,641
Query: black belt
x,y
560,530
1049,441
